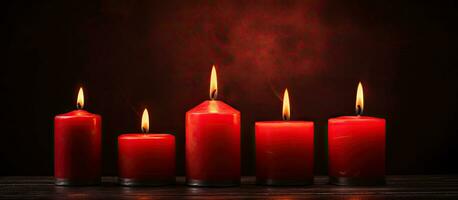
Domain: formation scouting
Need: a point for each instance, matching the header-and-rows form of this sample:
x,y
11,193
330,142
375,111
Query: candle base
x,y
137,182
273,182
353,181
204,183
71,182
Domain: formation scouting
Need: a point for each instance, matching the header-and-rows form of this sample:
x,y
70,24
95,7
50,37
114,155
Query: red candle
x,y
213,142
356,148
146,159
77,146
284,150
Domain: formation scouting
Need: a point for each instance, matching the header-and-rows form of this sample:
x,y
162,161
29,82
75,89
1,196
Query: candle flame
x,y
145,121
213,84
286,108
80,99
359,100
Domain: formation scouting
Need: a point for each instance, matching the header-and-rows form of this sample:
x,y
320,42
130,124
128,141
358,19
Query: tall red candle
x,y
356,148
146,159
213,142
284,150
77,146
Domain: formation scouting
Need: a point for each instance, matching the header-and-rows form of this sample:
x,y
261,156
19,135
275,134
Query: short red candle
x,y
146,159
213,143
77,147
284,152
356,150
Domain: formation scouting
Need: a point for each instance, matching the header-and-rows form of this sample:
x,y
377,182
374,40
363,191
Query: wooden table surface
x,y
397,187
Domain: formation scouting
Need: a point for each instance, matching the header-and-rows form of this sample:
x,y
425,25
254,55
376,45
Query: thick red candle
x,y
77,147
213,143
356,148
284,151
146,159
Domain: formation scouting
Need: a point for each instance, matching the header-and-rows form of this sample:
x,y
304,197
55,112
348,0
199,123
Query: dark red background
x,y
134,54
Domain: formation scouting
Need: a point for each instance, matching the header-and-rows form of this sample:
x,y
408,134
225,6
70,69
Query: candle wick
x,y
78,106
213,95
359,110
285,117
144,130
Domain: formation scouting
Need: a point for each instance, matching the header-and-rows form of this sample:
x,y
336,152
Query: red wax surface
x,y
356,147
146,156
213,142
284,150
77,146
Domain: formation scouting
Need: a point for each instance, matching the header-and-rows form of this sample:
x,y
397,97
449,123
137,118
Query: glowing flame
x,y
80,99
145,121
213,84
286,110
359,100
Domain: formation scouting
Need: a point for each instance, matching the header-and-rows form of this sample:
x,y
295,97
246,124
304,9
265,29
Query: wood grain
x,y
397,187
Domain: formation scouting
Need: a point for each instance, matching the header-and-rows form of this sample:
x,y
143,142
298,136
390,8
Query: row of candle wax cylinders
x,y
284,149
